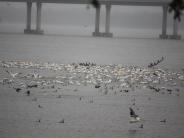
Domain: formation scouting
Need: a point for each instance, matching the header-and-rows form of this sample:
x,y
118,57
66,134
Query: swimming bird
x,y
134,117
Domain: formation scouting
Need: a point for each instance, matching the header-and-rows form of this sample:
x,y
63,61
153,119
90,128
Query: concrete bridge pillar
x,y
175,30
164,23
28,29
97,22
38,18
28,20
107,23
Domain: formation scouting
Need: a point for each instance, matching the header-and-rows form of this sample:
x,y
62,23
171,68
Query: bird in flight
x,y
134,117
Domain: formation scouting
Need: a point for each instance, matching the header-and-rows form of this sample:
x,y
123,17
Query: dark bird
x,y
91,101
59,96
28,92
32,86
141,126
34,99
126,90
134,117
39,120
163,121
80,98
18,89
62,121
39,106
97,86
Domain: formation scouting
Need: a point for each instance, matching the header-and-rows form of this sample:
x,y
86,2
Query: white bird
x,y
13,74
134,118
34,75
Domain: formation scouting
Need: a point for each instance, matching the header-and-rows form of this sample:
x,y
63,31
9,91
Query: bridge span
x,y
164,4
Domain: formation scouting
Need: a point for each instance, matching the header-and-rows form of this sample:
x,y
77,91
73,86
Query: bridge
x,y
164,4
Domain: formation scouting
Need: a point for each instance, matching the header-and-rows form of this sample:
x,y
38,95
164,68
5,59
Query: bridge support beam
x,y
28,29
38,18
175,30
107,23
97,23
164,23
28,20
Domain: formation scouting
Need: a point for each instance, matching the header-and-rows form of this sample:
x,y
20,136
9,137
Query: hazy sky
x,y
63,14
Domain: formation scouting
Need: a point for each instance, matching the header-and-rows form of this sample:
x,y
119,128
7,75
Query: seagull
x,y
134,118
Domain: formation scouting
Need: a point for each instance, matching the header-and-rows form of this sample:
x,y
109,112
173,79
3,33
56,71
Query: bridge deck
x,y
112,2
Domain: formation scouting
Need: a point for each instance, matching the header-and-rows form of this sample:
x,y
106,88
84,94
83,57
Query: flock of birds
x,y
125,78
